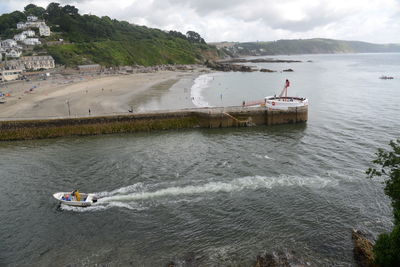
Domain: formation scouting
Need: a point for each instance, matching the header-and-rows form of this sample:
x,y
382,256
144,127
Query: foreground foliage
x,y
387,247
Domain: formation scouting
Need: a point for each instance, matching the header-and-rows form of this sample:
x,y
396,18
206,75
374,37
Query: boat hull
x,y
86,199
284,103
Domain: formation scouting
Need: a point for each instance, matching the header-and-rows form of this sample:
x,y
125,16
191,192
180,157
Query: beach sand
x,y
95,96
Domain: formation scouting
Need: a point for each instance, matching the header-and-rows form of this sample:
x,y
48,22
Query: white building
x,y
15,53
32,18
9,75
9,43
37,62
29,33
21,25
44,30
32,41
36,24
19,37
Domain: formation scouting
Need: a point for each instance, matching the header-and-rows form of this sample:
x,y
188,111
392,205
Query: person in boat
x,y
76,194
287,83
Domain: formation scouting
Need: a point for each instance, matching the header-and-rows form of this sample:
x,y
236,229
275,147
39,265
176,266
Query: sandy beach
x,y
60,96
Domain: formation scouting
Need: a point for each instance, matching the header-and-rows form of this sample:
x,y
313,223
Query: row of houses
x,y
31,63
34,22
14,69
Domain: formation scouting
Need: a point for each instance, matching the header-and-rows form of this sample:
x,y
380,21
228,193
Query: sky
x,y
375,21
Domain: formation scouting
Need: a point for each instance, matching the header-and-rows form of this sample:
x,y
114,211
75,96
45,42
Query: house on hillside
x,y
14,53
9,43
44,30
34,24
32,18
29,33
32,41
21,25
19,37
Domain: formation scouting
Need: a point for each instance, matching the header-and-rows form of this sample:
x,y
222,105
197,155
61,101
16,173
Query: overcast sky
x,y
376,21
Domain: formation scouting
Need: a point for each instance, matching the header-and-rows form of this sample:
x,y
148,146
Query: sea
x,y
215,197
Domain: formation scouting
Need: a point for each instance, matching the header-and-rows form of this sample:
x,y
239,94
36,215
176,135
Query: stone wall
x,y
160,120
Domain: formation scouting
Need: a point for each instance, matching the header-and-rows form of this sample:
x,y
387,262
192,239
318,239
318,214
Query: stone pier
x,y
151,121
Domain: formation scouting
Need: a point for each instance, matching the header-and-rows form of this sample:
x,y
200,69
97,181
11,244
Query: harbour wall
x,y
151,121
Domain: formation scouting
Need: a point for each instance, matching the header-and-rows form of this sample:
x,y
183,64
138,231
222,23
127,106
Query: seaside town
x,y
180,133
13,65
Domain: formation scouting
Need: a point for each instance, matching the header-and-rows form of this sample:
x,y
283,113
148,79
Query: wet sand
x,y
88,96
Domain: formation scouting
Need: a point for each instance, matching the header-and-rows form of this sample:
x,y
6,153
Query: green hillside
x,y
92,39
308,46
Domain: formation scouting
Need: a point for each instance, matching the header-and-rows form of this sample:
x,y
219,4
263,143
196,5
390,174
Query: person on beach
x,y
89,111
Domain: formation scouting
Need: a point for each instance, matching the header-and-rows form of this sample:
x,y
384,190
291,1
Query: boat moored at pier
x,y
282,102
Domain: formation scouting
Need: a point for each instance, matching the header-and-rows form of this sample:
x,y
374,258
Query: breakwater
x,y
151,121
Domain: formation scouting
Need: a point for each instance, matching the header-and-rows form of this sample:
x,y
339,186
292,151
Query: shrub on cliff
x,y
387,247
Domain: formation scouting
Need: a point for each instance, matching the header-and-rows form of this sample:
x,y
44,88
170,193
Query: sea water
x,y
216,197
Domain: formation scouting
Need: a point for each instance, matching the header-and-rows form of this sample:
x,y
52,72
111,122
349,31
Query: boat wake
x,y
134,197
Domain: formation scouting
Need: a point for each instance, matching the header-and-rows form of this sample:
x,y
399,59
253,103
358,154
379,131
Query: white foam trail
x,y
122,190
200,83
102,207
239,184
128,197
83,209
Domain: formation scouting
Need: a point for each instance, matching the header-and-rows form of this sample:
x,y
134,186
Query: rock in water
x,y
267,70
363,253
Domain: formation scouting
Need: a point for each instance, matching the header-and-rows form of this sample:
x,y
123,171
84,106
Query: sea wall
x,y
142,122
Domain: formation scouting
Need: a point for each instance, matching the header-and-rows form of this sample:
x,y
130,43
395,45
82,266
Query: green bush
x,y
387,247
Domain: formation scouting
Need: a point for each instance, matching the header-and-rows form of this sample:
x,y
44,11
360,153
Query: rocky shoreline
x,y
259,60
232,65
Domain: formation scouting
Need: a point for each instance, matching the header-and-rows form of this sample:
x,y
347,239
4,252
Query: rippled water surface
x,y
214,197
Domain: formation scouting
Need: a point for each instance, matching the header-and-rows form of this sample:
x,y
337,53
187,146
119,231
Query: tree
x,y
177,34
54,10
8,22
34,10
194,37
70,10
387,247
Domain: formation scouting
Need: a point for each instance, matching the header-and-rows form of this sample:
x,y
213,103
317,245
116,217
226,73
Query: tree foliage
x,y
194,37
107,41
34,10
387,247
9,22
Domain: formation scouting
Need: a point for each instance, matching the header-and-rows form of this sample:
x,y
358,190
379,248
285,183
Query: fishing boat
x,y
67,198
283,101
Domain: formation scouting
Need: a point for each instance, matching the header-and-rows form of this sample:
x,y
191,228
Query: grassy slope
x,y
142,52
